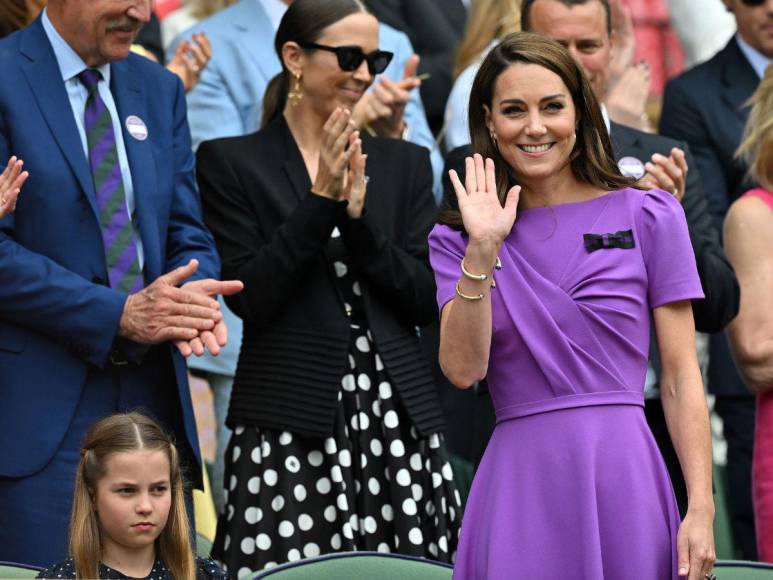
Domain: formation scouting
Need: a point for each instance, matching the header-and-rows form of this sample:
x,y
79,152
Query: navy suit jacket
x,y
58,317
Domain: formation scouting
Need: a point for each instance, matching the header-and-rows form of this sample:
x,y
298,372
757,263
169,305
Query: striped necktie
x,y
117,231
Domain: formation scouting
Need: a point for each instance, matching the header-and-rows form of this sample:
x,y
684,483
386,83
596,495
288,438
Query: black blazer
x,y
273,234
720,306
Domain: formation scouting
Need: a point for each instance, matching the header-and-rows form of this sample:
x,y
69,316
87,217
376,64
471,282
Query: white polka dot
x,y
362,344
305,522
443,507
387,512
236,453
443,543
226,542
340,269
354,522
256,456
391,420
357,486
268,565
292,464
384,547
437,480
377,408
356,289
330,446
233,483
239,429
403,477
374,486
248,546
347,530
451,513
432,549
385,390
270,477
286,529
351,362
434,441
243,572
293,555
323,485
416,462
277,503
397,542
231,511
299,491
363,460
415,536
348,383
285,438
457,497
376,448
364,421
335,474
448,473
311,550
341,502
335,542
379,364
345,458
417,492
397,448
363,381
315,458
253,515
330,513
369,524
265,448
409,507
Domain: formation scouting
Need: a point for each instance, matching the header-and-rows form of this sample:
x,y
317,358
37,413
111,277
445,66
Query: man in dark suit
x,y
584,27
705,106
108,273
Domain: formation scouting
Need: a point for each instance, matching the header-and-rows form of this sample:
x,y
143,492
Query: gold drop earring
x,y
295,95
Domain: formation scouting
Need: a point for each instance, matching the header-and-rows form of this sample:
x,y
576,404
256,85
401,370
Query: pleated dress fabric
x,y
572,484
374,485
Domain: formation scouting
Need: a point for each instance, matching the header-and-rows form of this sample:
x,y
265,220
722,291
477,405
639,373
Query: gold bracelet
x,y
477,277
461,294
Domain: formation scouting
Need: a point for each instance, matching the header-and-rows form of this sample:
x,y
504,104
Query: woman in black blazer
x,y
336,421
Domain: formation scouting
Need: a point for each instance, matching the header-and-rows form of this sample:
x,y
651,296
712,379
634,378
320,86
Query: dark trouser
x,y
656,419
737,413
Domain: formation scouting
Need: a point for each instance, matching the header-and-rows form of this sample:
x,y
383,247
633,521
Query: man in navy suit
x,y
107,273
705,106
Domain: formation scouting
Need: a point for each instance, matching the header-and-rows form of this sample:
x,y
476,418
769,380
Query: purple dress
x,y
572,484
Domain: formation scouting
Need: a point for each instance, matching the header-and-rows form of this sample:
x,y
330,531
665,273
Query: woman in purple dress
x,y
554,309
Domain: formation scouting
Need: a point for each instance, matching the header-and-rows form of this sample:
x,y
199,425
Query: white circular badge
x,y
631,167
136,128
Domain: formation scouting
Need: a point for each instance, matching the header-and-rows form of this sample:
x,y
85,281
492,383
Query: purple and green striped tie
x,y
117,231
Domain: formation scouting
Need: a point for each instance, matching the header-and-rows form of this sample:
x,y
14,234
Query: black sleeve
x,y
271,267
719,283
400,276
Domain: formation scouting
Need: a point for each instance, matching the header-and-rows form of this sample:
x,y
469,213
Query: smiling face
x,y
323,82
132,500
533,118
755,24
582,29
100,31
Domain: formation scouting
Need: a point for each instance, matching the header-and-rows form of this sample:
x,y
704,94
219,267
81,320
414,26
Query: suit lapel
x,y
294,168
128,91
624,142
54,104
738,79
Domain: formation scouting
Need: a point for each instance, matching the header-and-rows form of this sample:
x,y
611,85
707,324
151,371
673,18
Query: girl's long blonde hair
x,y
201,9
123,433
489,20
757,144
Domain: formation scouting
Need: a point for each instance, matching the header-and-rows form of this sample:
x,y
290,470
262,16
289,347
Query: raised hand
x,y
667,173
11,181
190,59
334,155
484,217
356,181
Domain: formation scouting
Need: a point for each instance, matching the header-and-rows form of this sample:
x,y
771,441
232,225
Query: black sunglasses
x,y
753,2
350,57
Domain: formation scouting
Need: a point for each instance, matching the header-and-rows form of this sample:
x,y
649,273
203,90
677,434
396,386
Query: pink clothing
x,y
762,466
164,7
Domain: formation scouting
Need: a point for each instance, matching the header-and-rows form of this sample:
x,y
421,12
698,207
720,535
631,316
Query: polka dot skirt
x,y
374,485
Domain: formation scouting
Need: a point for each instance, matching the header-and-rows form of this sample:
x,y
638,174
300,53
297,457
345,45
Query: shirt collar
x,y
274,9
758,60
605,114
70,64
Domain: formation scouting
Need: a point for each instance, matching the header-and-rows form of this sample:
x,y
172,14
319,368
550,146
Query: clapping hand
x,y
11,181
484,217
190,59
667,173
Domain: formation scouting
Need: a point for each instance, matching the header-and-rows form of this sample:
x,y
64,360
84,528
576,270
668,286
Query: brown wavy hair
x,y
592,159
123,433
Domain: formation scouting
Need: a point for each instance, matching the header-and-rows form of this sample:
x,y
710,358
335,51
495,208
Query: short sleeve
x,y
446,250
668,254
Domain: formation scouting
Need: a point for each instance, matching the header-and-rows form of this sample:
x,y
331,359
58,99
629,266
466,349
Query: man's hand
x,y
190,59
162,312
383,108
667,173
217,337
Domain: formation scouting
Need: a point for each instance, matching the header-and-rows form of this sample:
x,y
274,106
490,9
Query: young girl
x,y
128,518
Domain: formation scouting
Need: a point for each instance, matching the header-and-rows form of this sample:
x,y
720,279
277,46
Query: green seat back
x,y
359,566
739,570
203,546
8,570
